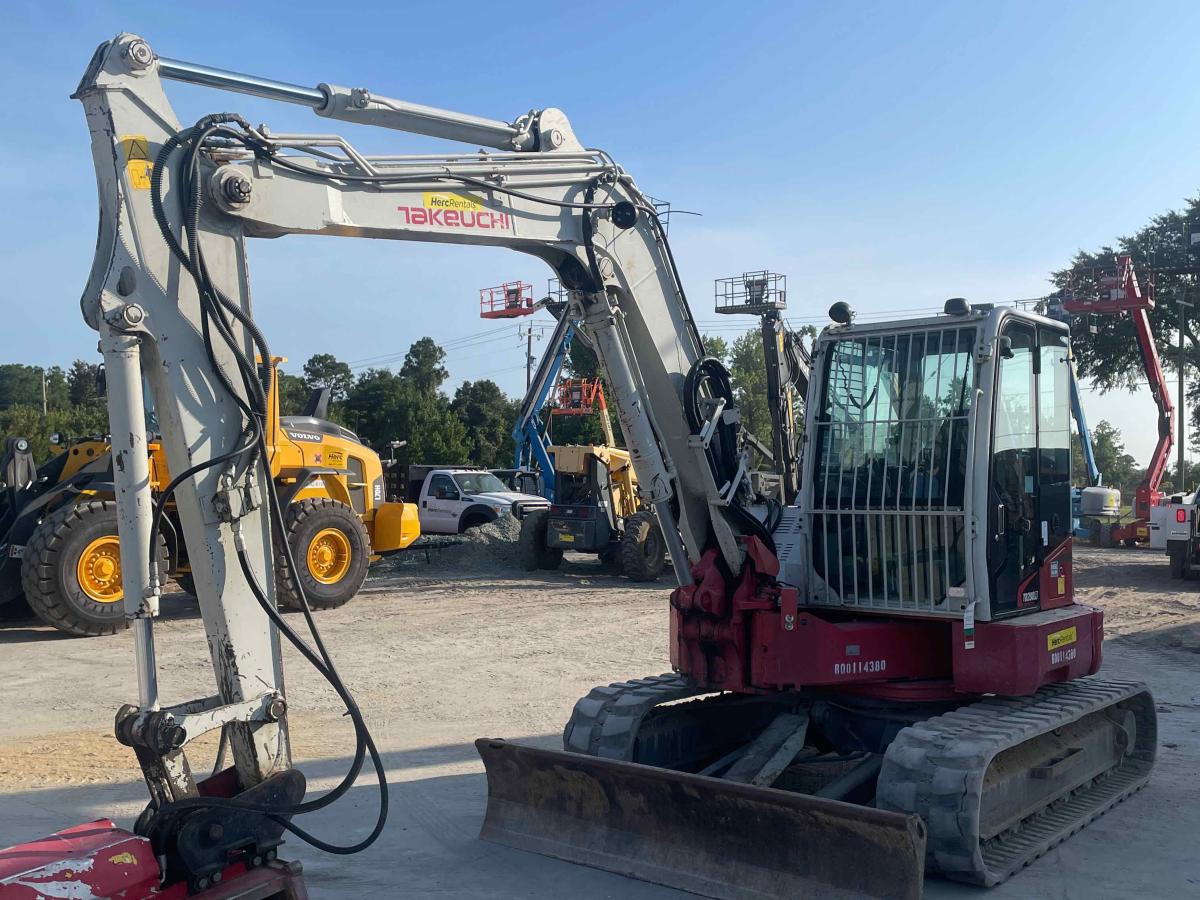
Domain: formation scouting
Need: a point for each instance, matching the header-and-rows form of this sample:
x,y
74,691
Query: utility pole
x,y
1181,408
528,356
43,392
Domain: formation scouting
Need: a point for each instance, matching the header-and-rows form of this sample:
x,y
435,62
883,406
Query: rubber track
x,y
936,769
606,721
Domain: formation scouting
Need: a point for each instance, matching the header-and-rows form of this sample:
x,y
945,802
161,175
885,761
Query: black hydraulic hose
x,y
215,306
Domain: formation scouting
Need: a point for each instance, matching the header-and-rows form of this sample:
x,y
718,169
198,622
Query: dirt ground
x,y
440,650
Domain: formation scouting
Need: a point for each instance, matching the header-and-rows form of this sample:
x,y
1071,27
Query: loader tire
x,y
531,545
332,551
72,570
643,550
186,583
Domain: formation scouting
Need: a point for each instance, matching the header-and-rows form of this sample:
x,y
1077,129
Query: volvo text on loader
x,y
889,676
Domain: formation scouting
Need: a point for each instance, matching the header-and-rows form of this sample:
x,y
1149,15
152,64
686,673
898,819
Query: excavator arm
x,y
169,293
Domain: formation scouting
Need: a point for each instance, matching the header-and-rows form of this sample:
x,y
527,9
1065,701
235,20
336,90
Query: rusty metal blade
x,y
704,835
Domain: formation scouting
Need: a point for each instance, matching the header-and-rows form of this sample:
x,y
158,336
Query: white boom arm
x,y
543,195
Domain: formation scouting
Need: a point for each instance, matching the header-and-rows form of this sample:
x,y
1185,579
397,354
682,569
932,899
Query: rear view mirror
x,y
1004,343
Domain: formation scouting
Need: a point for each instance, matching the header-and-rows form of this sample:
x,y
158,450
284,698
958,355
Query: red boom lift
x,y
1112,293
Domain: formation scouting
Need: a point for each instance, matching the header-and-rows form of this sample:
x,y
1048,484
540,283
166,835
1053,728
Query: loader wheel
x,y
72,570
643,551
531,545
332,551
186,582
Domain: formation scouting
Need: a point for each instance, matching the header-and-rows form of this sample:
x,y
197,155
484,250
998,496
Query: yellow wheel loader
x,y
59,549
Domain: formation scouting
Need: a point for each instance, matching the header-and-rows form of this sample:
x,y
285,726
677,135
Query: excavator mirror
x,y
1004,344
55,438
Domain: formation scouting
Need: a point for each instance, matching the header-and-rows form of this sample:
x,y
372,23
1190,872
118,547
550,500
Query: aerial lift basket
x,y
507,301
712,837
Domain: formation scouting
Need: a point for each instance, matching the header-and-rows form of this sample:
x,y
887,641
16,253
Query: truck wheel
x,y
332,552
643,551
72,570
186,582
531,545
1177,565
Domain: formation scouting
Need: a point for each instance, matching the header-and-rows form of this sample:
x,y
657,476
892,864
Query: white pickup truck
x,y
451,499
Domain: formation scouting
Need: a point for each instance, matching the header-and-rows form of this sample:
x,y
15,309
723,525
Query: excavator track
x,y
943,769
605,723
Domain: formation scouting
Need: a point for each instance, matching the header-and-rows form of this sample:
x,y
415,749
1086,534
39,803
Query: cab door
x,y
440,506
1030,485
1013,486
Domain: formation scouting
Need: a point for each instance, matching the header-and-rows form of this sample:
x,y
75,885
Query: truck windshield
x,y
479,483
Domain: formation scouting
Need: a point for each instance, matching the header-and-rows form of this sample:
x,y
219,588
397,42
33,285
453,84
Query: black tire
x,y
643,550
531,545
50,570
1177,568
186,582
306,519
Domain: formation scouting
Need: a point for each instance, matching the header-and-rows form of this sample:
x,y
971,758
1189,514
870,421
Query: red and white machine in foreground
x,y
888,675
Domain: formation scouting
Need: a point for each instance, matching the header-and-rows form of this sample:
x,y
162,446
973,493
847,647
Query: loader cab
x,y
937,477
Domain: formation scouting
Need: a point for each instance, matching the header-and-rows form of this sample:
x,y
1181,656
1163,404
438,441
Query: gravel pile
x,y
488,548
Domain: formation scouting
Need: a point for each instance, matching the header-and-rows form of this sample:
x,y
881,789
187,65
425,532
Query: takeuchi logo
x,y
485,220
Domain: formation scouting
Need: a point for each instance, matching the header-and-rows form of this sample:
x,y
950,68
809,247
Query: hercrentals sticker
x,y
441,200
1060,638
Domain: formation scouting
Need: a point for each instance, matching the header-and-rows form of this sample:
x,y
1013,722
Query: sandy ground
x,y
440,653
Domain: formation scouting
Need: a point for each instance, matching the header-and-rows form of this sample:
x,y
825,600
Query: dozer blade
x,y
704,835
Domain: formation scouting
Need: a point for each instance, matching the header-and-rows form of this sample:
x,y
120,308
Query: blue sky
x,y
889,154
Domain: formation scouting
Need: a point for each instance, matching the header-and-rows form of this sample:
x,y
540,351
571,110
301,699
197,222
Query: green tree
x,y
20,385
1118,468
717,346
293,394
748,372
23,420
1110,358
81,383
423,365
324,370
383,406
58,394
488,417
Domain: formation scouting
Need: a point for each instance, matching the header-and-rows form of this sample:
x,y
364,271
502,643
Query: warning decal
x,y
138,164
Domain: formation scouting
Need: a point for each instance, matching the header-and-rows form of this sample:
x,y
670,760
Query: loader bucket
x,y
711,837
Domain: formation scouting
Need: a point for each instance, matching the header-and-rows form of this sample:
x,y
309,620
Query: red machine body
x,y
753,637
1113,293
100,861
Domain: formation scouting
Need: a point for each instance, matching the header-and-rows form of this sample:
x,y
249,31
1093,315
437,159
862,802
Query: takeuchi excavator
x,y
889,677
